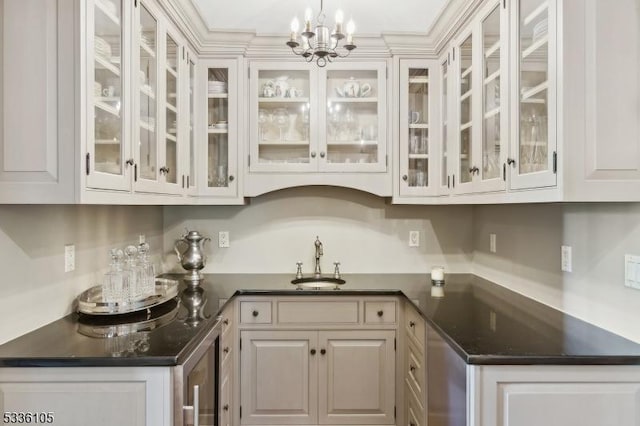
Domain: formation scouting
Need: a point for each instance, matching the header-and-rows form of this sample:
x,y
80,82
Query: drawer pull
x,y
255,313
380,313
323,351
226,350
226,407
313,351
412,324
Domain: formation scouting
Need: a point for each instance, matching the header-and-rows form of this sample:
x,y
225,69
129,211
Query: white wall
x,y
528,257
35,288
360,230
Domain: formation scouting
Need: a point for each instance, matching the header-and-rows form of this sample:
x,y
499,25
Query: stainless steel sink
x,y
318,283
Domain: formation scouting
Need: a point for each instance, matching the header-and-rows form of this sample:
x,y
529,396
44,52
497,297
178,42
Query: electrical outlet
x,y
493,321
414,238
492,243
223,239
69,257
141,239
565,260
632,271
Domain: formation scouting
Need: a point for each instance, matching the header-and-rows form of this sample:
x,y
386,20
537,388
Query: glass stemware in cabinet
x,y
491,95
172,112
281,120
107,87
418,123
148,139
218,128
466,74
534,85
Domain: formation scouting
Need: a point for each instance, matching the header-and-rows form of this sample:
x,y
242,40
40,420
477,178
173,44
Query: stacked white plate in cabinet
x,y
102,47
540,29
216,87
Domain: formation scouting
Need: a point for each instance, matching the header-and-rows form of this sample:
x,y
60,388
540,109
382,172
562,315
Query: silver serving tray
x,y
91,302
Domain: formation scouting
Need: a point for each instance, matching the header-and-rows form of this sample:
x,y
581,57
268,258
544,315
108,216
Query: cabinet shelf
x,y
105,64
102,7
172,72
535,13
418,80
218,95
529,94
466,125
171,137
466,95
283,100
107,142
279,142
217,131
147,91
419,126
356,142
493,49
418,156
147,126
492,77
535,46
466,72
172,108
353,100
99,103
148,50
492,113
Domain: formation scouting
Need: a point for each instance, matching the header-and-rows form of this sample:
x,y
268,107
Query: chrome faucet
x,y
318,273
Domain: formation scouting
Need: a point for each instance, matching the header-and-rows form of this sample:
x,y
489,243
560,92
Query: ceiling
x,y
372,17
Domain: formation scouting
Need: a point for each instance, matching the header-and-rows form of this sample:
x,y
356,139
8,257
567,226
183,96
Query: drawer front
x,y
415,327
415,371
415,411
318,312
255,312
380,312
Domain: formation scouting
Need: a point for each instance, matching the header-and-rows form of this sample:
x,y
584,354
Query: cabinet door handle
x,y
412,324
231,178
322,154
380,313
226,350
164,170
405,178
194,409
313,154
323,351
312,351
412,368
255,313
225,321
130,162
511,162
226,407
474,170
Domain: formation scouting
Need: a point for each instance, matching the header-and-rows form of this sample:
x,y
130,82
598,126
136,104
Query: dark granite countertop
x,y
483,322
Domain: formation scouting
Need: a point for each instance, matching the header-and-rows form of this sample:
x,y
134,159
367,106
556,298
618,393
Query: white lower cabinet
x,y
318,377
87,396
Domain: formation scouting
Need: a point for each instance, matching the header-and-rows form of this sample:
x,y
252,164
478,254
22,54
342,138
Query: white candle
x,y
437,291
437,273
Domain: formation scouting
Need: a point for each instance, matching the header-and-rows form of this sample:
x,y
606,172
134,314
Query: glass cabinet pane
x,y
107,87
283,117
218,127
534,74
466,73
172,129
445,122
491,108
192,135
418,122
148,92
352,116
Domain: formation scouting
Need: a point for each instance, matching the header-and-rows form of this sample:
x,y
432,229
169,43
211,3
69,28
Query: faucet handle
x,y
336,271
299,270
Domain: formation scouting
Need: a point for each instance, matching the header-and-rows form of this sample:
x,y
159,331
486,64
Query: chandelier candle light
x,y
319,45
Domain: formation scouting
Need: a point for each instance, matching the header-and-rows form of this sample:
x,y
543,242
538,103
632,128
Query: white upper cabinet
x,y
318,126
533,94
419,149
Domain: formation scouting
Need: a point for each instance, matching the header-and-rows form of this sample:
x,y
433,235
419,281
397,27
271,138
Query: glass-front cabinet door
x,y
169,168
444,176
534,95
147,155
282,118
222,126
353,126
189,158
494,99
417,159
108,146
465,64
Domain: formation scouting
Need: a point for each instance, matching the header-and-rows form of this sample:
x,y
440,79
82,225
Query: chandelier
x,y
319,45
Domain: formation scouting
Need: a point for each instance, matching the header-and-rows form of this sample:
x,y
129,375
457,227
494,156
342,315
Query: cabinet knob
x,y
130,162
225,321
312,351
226,350
164,170
231,178
412,324
226,407
474,170
511,161
412,368
255,313
380,313
405,178
323,351
313,154
322,154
